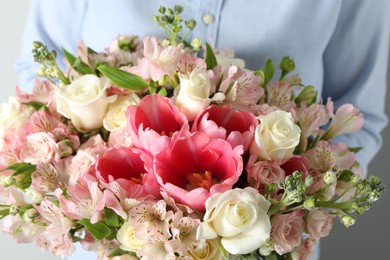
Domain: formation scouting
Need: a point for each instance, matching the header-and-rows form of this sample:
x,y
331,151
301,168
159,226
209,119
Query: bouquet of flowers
x,y
171,149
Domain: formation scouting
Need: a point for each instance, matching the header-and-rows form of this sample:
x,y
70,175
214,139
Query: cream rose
x,y
209,250
127,239
276,136
85,102
115,117
226,61
240,217
194,92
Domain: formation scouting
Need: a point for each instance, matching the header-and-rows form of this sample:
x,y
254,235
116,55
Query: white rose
x,y
127,240
11,117
240,217
115,117
194,92
85,102
276,136
207,250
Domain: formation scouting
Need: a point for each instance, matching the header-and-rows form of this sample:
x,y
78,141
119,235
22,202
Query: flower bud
x,y
14,210
42,71
307,95
330,177
309,180
267,247
29,215
348,220
6,181
309,203
196,43
271,187
34,195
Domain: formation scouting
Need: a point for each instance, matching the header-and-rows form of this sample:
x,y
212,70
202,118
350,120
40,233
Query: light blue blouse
x,y
339,46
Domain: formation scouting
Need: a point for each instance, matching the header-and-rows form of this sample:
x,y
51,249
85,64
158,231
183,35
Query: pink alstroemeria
x,y
234,126
84,196
43,91
196,167
159,60
241,88
153,122
56,235
279,94
347,119
126,166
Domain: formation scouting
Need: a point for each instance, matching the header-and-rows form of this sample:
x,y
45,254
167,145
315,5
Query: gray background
x,y
368,239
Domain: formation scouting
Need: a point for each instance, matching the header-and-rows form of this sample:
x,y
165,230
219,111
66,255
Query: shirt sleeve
x,y
356,67
56,24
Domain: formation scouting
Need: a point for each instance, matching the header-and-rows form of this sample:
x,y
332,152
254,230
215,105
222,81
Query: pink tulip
x,y
234,126
153,122
195,167
126,166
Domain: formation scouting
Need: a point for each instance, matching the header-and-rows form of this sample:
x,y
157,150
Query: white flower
x,y
85,102
194,92
115,117
226,61
276,136
11,117
127,239
240,217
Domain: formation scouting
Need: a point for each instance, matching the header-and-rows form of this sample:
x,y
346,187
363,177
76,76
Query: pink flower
x,y
262,173
241,88
347,119
344,157
119,138
287,230
312,118
321,157
319,223
125,164
234,126
279,94
86,156
158,61
40,148
154,122
304,251
296,163
196,167
43,91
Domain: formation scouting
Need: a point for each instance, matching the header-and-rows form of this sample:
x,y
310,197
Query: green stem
x,y
333,205
275,208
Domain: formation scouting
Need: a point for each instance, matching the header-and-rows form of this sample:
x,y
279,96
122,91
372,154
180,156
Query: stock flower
x,y
287,231
115,117
236,127
85,102
153,122
193,93
195,167
240,217
125,165
275,137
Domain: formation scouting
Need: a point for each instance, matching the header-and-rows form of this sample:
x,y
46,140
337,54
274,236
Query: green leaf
x,y
355,149
99,230
111,218
36,105
21,167
77,64
123,79
211,60
163,92
268,71
346,176
118,252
